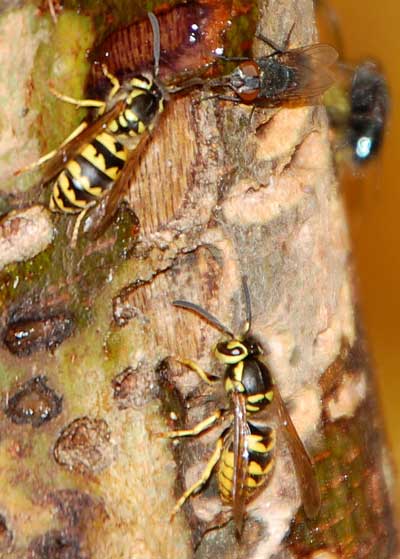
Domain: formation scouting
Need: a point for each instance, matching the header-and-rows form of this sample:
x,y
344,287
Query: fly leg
x,y
230,98
276,48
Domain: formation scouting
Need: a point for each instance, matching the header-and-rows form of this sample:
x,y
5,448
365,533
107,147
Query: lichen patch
x,y
24,233
348,396
16,65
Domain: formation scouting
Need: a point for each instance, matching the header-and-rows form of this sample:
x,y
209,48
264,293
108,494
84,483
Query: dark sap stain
x,y
134,387
5,534
190,35
31,334
76,508
123,309
124,385
84,445
35,403
55,544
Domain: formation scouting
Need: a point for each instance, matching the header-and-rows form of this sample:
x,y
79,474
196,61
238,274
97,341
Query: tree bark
x,y
83,473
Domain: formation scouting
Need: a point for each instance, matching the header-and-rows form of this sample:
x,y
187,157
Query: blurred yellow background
x,y
371,29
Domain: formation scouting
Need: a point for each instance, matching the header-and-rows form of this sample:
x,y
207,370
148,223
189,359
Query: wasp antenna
x,y
247,300
156,38
203,313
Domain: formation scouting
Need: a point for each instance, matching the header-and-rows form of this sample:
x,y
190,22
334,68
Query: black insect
x,y
295,76
369,105
358,105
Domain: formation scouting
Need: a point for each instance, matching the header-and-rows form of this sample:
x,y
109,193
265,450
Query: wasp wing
x,y
241,432
307,480
312,74
68,150
104,213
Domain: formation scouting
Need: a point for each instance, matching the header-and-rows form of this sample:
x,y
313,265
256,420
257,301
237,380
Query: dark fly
x,y
369,104
297,76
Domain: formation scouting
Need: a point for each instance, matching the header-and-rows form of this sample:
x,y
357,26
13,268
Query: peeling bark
x,y
217,198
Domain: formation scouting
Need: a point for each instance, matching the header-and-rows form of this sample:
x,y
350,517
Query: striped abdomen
x,y
260,445
89,174
98,164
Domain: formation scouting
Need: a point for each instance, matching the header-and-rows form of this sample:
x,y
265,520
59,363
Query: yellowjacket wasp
x,y
244,453
96,160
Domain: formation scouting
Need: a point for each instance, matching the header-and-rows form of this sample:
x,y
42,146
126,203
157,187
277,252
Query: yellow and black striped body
x,y
247,375
260,445
244,453
92,171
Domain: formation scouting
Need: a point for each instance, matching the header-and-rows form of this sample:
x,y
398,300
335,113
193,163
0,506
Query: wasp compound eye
x,y
226,348
231,352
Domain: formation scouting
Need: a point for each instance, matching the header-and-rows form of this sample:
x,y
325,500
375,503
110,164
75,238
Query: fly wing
x,y
107,208
308,483
67,151
241,432
311,66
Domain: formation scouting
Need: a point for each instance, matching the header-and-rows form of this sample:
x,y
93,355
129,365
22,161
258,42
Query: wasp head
x,y
235,350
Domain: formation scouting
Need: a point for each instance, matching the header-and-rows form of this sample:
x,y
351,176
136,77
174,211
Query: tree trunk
x,y
217,198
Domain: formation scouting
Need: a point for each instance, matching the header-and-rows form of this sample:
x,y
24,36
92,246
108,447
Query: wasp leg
x,y
203,479
113,79
94,103
53,152
207,377
78,222
197,429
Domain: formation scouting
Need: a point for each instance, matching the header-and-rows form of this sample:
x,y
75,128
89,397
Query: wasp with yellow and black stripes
x,y
97,159
244,452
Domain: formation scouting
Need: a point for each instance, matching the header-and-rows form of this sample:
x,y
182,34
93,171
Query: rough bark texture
x,y
84,476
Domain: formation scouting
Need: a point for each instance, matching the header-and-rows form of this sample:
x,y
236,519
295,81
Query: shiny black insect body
x,y
358,105
369,104
298,75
